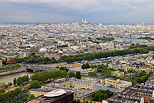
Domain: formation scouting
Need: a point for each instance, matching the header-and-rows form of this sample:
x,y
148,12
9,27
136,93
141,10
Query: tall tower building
x,y
0,62
143,23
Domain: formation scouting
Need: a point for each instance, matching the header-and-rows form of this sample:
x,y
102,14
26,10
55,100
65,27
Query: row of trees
x,y
146,38
137,45
134,49
5,67
5,86
20,80
10,67
15,66
52,75
72,74
9,94
106,39
77,75
101,95
96,55
46,75
26,99
35,59
131,71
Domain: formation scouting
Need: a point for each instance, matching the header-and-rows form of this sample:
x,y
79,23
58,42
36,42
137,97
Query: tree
x,y
34,84
2,90
107,72
78,75
71,74
46,60
3,85
14,81
24,99
84,101
64,68
84,66
108,92
9,84
31,96
19,101
6,86
131,46
2,96
87,102
87,65
78,100
101,95
92,74
18,90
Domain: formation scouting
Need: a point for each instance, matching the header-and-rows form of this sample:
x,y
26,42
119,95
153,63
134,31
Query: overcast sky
x,y
63,11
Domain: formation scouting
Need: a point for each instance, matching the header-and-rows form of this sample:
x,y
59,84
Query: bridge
x,y
45,67
41,68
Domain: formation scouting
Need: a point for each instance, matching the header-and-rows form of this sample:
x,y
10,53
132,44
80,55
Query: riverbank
x,y
13,71
10,78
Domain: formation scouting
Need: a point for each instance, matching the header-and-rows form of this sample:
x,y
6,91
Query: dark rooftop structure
x,y
133,94
64,98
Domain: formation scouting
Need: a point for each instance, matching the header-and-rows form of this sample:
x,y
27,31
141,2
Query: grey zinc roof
x,y
114,90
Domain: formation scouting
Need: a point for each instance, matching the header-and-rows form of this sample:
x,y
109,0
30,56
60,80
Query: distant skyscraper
x,y
143,23
85,21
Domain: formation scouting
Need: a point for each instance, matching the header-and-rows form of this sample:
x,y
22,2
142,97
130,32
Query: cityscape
x,y
73,51
79,60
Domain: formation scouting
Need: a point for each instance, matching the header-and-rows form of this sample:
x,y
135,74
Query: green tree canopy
x,y
101,95
14,81
92,74
34,84
71,74
31,96
78,75
64,68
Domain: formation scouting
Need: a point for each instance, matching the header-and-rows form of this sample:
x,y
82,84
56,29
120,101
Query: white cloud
x,y
65,10
86,5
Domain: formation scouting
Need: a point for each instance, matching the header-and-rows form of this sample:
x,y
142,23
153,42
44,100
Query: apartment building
x,y
117,73
117,83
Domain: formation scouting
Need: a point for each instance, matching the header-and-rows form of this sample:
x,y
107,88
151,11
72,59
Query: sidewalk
x,y
11,88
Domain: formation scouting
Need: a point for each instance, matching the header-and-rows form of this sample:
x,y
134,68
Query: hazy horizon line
x,y
37,23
